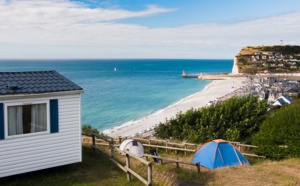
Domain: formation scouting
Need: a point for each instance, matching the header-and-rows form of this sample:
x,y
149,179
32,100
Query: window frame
x,y
21,103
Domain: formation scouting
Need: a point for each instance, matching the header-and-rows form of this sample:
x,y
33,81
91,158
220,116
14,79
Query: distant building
x,y
272,81
293,92
283,100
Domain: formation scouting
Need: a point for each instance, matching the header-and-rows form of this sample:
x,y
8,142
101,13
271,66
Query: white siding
x,y
35,152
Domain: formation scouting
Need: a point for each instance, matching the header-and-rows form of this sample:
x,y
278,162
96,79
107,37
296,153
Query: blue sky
x,y
197,29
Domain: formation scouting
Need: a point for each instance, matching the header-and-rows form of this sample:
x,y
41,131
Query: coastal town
x,y
269,59
276,91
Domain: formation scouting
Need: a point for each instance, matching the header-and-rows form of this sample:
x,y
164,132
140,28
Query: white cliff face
x,y
235,69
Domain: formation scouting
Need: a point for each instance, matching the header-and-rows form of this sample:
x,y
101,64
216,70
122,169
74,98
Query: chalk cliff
x,y
235,69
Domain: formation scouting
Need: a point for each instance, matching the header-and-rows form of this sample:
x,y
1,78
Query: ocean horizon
x,y
118,91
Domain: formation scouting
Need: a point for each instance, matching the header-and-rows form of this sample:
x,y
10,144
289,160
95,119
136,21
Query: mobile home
x,y
40,121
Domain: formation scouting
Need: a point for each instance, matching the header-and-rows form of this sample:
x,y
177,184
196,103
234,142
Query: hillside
x,y
265,59
97,169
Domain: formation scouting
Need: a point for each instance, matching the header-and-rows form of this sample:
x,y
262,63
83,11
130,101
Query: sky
x,y
117,29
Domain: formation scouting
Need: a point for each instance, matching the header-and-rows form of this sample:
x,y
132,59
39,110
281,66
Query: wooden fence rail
x,y
169,148
239,146
167,142
125,168
174,161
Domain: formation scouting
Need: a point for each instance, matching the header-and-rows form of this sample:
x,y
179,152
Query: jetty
x,y
202,76
185,75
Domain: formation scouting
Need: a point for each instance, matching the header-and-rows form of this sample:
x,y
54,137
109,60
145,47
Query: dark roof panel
x,y
34,82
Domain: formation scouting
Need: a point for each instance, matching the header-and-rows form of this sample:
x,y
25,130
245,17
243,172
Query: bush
x,y
279,134
238,118
88,129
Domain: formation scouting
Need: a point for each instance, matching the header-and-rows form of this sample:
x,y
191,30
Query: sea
x,y
119,91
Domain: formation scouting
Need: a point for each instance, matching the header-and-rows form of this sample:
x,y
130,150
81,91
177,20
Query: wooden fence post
x,y
166,145
150,174
94,143
198,167
128,165
112,150
184,148
120,139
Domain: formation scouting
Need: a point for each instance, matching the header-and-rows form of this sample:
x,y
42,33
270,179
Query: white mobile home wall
x,y
40,151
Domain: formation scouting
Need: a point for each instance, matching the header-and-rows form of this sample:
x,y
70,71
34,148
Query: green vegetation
x,y
238,118
279,134
286,49
244,119
88,129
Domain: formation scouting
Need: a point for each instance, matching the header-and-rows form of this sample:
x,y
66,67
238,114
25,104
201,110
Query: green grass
x,y
95,169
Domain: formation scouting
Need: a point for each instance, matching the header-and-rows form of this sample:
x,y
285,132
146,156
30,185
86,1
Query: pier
x,y
185,75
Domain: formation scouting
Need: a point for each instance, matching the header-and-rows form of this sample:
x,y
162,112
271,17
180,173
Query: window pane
x,y
15,120
38,118
27,119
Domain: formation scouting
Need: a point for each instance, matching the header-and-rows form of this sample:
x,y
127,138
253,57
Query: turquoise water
x,y
119,91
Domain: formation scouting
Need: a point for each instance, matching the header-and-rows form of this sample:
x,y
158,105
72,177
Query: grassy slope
x,y
267,173
98,170
94,170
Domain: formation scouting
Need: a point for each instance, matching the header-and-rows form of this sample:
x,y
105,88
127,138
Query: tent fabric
x,y
135,147
219,153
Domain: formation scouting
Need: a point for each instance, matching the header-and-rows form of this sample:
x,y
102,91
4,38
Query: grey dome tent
x,y
133,147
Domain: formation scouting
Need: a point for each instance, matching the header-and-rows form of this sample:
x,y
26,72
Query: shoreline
x,y
131,122
215,90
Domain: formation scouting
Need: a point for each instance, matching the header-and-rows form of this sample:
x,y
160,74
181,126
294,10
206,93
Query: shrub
x,y
88,129
279,134
238,118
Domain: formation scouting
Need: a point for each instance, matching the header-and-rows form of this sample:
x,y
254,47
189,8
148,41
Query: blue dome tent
x,y
219,153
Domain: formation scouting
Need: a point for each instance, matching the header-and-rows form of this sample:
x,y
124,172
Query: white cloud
x,y
58,28
49,11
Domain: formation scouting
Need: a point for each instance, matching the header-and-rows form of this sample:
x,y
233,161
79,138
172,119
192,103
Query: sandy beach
x,y
218,89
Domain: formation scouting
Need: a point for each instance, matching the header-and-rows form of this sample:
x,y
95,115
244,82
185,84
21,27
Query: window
x,y
25,119
19,118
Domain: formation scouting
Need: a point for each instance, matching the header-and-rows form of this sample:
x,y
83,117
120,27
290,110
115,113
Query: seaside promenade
x,y
217,90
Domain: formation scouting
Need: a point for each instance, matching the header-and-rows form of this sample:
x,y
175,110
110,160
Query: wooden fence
x,y
174,161
169,145
186,147
243,148
125,168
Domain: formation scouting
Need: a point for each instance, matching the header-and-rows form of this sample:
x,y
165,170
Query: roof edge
x,y
39,95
